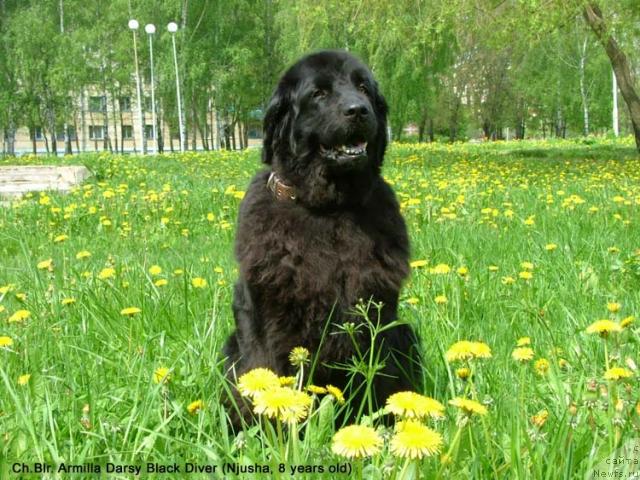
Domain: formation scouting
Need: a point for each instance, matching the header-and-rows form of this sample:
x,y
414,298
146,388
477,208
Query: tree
x,y
619,62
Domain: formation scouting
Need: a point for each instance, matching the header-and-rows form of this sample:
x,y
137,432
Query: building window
x,y
148,131
96,132
37,134
125,104
254,133
146,102
60,133
97,104
127,132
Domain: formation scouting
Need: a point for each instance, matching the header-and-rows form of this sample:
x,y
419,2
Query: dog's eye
x,y
319,93
363,88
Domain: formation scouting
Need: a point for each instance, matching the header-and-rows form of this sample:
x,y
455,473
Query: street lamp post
x,y
133,26
151,29
173,28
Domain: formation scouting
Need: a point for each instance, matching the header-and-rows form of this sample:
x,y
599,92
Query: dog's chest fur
x,y
303,266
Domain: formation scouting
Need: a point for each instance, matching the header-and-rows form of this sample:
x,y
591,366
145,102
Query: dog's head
x,y
326,115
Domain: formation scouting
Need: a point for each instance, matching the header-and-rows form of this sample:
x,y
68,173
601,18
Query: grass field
x,y
512,244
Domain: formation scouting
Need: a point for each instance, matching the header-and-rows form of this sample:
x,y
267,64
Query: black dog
x,y
319,230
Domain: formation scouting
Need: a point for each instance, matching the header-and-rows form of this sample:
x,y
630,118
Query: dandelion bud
x,y
299,356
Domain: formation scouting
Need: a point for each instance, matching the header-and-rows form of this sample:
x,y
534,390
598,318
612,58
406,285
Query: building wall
x,y
88,120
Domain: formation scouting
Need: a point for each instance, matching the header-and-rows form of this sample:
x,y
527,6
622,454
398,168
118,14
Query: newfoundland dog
x,y
319,231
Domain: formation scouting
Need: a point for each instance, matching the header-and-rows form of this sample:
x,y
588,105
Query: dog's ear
x,y
276,124
382,109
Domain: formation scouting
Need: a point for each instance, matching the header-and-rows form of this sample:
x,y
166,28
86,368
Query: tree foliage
x,y
451,69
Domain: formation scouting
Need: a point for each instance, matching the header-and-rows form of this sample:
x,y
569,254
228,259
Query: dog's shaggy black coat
x,y
307,261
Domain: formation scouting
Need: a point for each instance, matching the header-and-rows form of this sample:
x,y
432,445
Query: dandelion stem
x,y
452,448
405,469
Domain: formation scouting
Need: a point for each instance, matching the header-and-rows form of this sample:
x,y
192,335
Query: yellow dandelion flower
x,y
195,406
199,282
161,282
466,350
493,268
440,269
178,271
441,300
625,322
283,403
527,265
45,264
161,375
107,273
508,280
525,275
541,366
24,379
613,307
60,238
19,316
155,270
604,327
468,406
540,418
356,441
462,271
315,389
82,254
287,381
6,342
299,356
413,300
336,393
414,440
522,354
523,342
414,405
130,311
418,263
463,373
68,301
257,380
550,247
617,373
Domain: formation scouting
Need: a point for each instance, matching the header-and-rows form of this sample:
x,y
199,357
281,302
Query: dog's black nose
x,y
356,109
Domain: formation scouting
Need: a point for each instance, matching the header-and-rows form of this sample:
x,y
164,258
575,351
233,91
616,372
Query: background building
x,y
109,123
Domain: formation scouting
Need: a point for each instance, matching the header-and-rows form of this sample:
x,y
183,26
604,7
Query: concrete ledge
x,y
16,180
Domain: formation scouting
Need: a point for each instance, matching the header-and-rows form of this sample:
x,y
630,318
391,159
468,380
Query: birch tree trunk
x,y
583,90
619,62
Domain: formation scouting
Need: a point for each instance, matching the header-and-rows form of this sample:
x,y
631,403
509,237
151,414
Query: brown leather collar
x,y
280,190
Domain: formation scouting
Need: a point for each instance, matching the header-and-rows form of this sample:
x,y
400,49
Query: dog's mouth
x,y
345,154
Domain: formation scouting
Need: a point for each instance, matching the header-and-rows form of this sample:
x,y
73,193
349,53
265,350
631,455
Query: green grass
x,y
91,397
